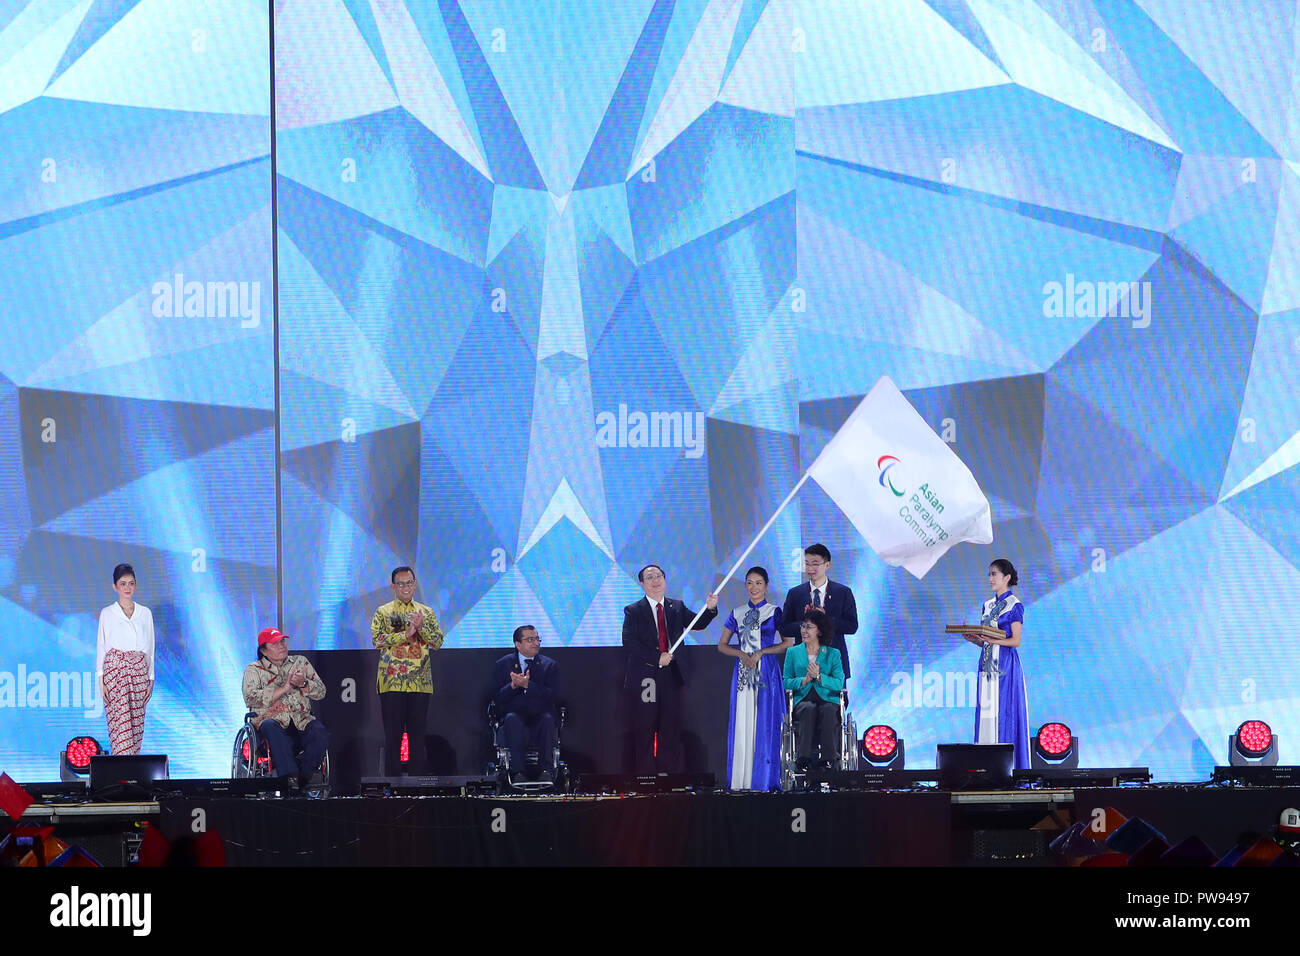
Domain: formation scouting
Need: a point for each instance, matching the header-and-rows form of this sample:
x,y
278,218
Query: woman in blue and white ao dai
x,y
757,694
1001,708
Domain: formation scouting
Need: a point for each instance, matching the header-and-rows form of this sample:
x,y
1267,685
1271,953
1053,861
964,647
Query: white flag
x,y
900,484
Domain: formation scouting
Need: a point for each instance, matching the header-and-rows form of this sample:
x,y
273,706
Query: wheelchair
x,y
501,769
791,777
251,757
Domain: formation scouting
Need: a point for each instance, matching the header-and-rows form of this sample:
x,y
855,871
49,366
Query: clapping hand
x,y
298,678
712,602
416,622
814,670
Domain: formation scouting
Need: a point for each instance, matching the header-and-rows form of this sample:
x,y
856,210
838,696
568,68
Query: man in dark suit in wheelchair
x,y
279,689
525,688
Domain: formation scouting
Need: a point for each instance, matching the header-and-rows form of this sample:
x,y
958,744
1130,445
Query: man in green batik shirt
x,y
405,631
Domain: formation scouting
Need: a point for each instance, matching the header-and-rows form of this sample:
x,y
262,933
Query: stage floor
x,y
847,828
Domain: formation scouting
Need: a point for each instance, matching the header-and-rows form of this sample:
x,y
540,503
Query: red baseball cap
x,y
270,635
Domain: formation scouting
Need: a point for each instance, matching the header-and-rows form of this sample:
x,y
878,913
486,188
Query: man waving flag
x,y
898,482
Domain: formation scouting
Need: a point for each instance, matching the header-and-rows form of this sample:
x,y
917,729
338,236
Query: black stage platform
x,y
866,828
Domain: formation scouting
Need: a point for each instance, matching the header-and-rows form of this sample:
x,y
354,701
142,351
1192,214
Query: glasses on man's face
x,y
530,640
406,585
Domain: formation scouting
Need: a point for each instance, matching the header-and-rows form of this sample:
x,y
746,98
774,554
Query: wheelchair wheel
x,y
242,758
849,745
787,754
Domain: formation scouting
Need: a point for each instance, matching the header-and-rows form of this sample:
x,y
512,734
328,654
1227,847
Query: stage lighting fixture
x,y
1254,744
882,747
74,760
405,754
1054,746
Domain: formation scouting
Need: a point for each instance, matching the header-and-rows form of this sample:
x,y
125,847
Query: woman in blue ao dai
x,y
757,692
1001,710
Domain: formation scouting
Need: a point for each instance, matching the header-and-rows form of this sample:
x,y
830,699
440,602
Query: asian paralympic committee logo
x,y
885,463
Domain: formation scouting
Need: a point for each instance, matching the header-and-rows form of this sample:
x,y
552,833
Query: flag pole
x,y
741,560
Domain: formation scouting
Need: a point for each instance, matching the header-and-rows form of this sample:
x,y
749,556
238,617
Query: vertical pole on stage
x,y
275,329
741,560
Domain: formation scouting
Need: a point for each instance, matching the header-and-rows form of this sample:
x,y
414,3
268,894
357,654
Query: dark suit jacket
x,y
543,686
641,638
839,607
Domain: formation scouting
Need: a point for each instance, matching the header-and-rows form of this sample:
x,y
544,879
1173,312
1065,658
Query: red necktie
x,y
663,629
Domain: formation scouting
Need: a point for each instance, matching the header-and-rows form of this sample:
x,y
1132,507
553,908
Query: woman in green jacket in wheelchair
x,y
814,672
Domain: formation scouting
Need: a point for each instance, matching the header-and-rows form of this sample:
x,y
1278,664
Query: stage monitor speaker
x,y
128,776
201,787
1066,778
654,783
975,766
58,791
428,786
870,778
1258,775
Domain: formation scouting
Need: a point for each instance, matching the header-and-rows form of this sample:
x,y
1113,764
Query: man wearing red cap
x,y
279,689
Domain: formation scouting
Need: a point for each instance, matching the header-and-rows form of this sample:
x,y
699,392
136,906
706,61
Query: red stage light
x,y
880,742
80,750
1254,738
406,748
1054,739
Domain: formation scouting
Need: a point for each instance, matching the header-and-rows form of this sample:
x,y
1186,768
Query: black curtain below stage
x,y
597,736
680,829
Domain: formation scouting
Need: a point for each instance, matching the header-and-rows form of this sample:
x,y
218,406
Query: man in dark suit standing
x,y
527,685
821,592
654,677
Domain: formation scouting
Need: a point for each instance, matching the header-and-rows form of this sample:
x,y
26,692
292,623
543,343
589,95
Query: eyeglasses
x,y
530,640
405,584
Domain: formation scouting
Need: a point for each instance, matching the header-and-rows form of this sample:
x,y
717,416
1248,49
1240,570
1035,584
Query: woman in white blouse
x,y
124,663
